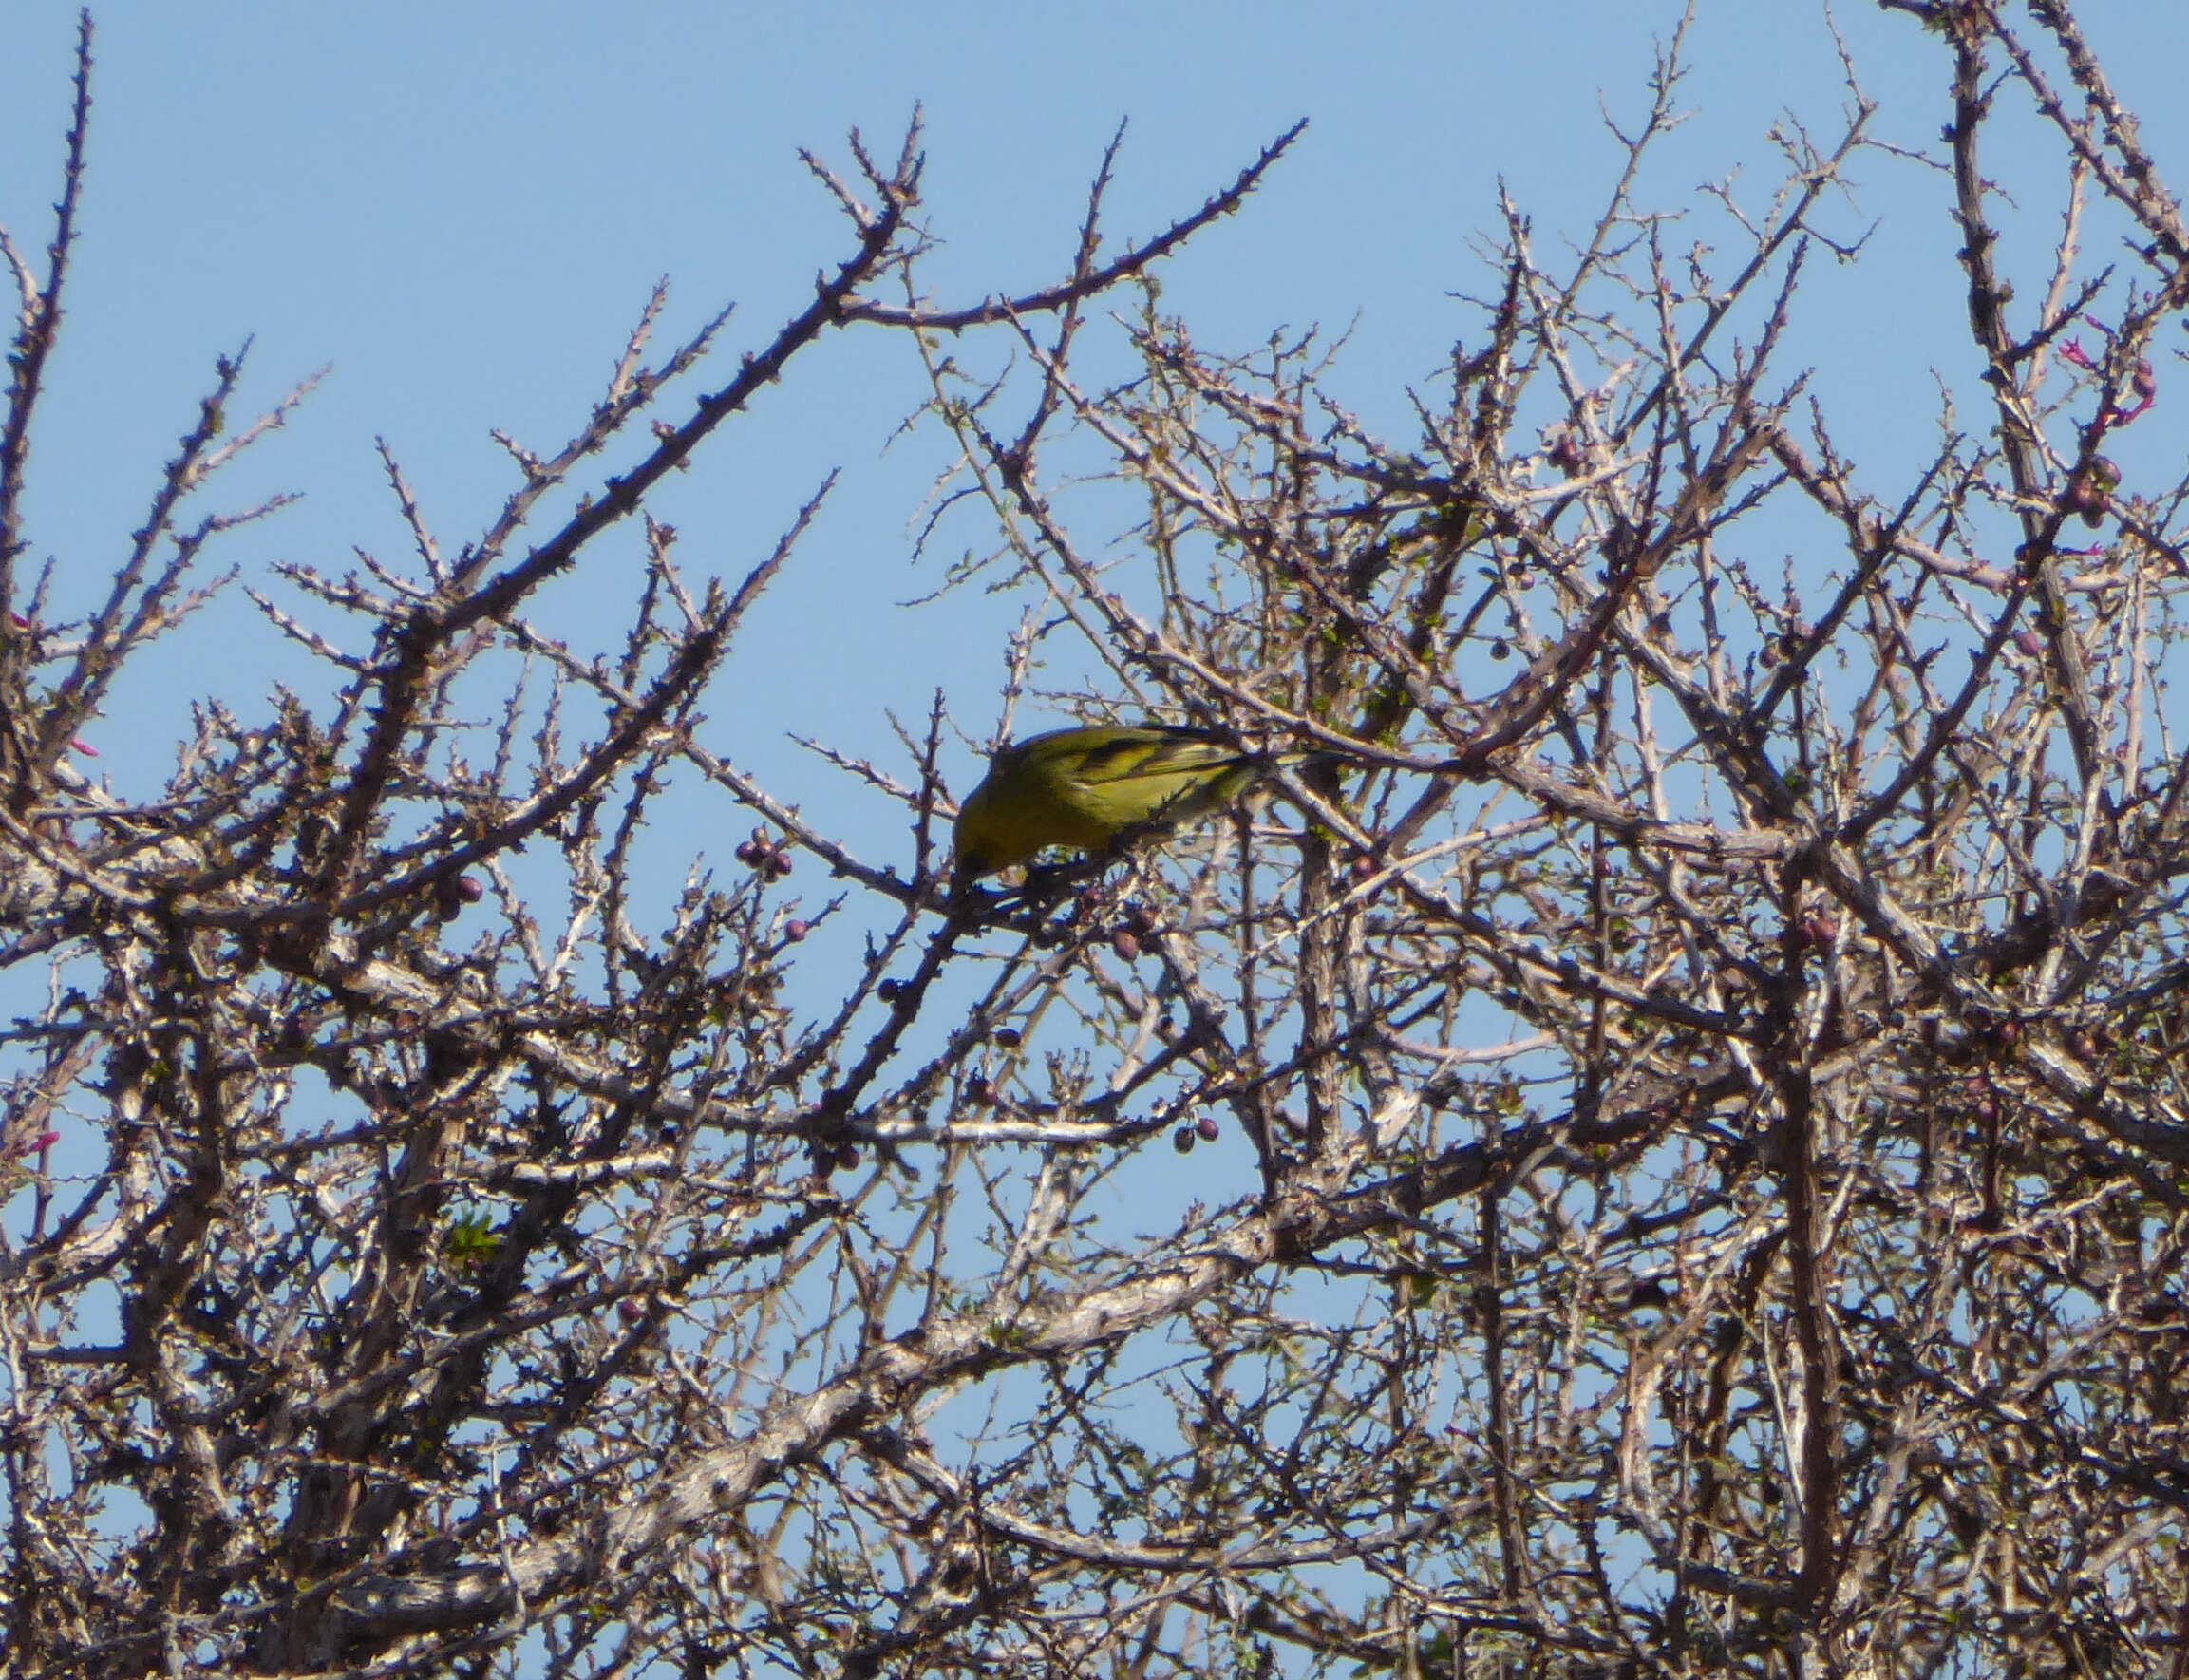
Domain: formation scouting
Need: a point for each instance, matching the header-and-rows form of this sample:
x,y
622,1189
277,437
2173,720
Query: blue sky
x,y
460,210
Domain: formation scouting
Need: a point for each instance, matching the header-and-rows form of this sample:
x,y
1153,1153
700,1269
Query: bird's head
x,y
979,845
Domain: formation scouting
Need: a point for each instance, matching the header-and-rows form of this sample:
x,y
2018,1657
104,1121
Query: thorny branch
x,y
1654,1149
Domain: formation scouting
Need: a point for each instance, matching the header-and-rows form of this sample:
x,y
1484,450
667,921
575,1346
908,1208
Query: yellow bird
x,y
1089,787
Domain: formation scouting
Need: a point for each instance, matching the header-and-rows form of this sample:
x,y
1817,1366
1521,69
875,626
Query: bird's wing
x,y
1151,755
